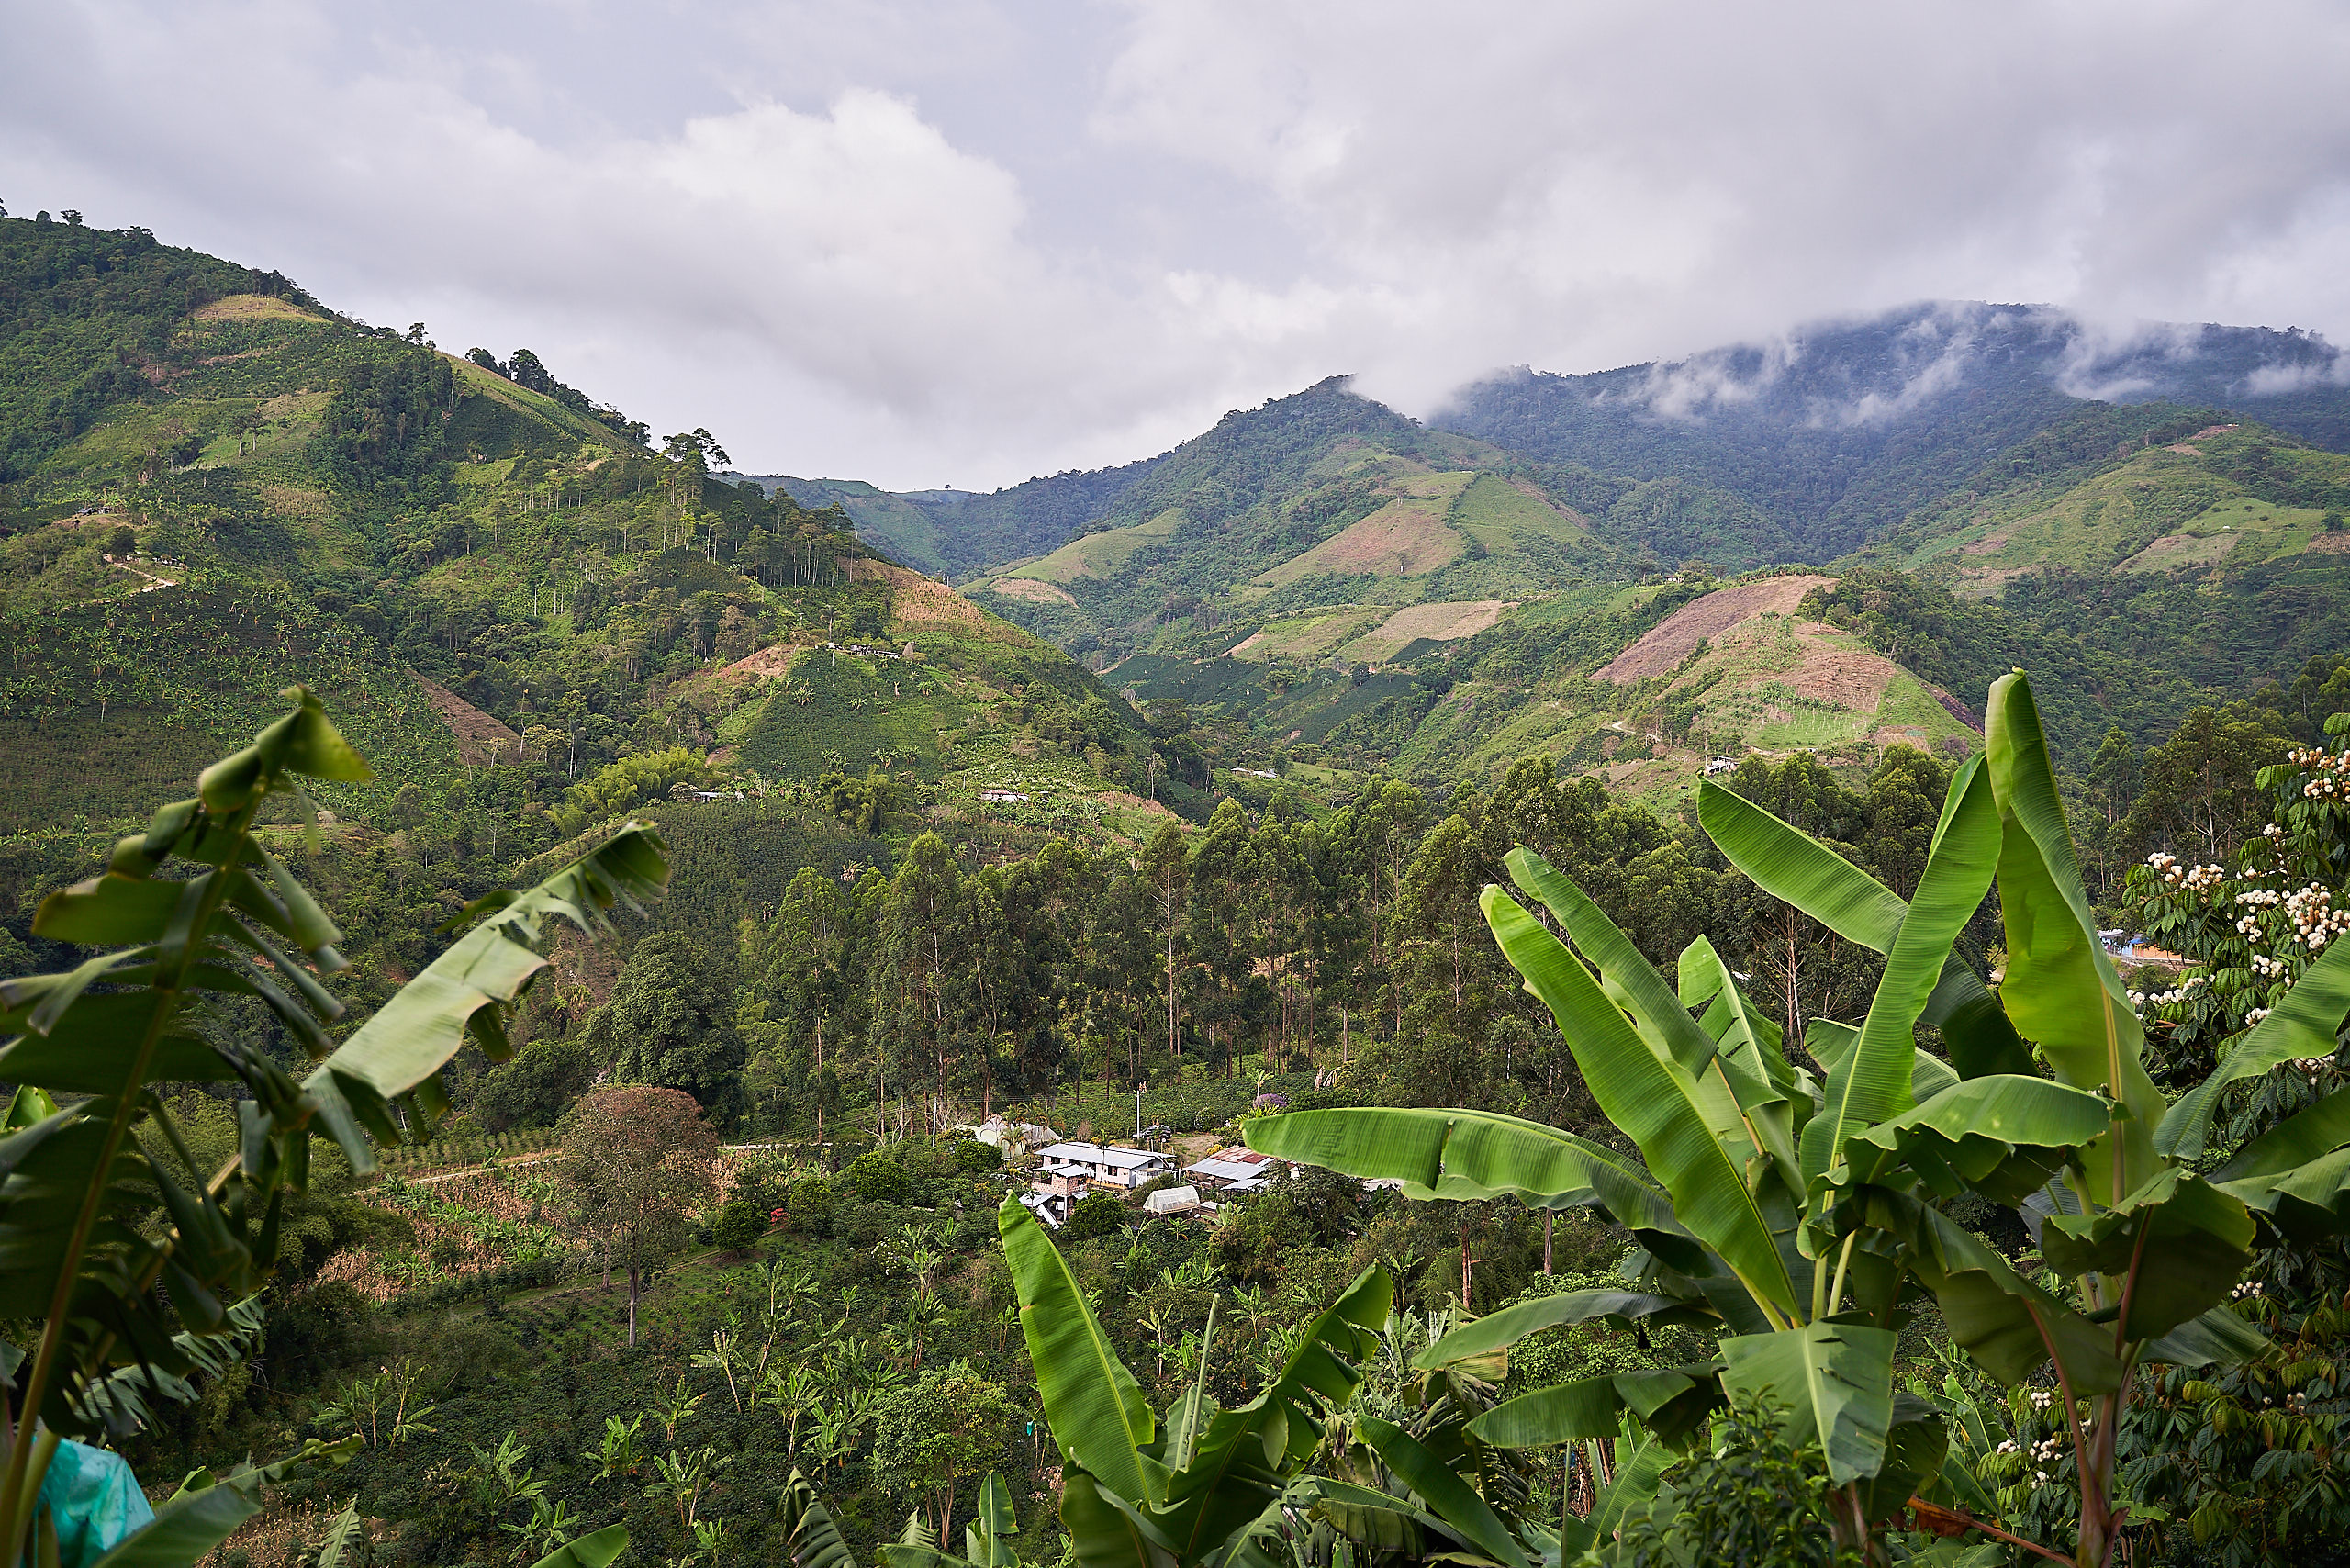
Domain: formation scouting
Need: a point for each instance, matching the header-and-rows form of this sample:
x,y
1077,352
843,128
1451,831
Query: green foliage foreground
x,y
1802,1214
195,909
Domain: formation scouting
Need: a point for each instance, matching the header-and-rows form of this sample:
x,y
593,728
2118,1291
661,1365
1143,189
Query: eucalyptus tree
x,y
1799,1211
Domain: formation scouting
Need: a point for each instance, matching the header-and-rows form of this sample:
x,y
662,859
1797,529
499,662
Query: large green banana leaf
x,y
2061,990
594,1551
1499,1330
1248,1453
2300,1026
1471,1154
1872,1082
1776,1097
1835,1381
1740,1100
1093,1405
2004,1321
402,1048
811,1535
2219,1337
2002,1137
1672,1401
1106,1530
1451,1500
2195,1238
1688,1127
1829,1041
1631,981
986,1539
1795,868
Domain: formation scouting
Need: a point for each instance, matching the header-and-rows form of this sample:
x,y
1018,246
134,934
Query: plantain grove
x,y
1799,1211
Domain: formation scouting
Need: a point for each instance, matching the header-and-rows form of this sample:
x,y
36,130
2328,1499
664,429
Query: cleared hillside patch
x,y
1408,537
480,738
1032,590
1100,554
1444,621
1674,638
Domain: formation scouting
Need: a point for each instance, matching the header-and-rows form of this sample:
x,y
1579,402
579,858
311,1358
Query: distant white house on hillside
x,y
1110,1164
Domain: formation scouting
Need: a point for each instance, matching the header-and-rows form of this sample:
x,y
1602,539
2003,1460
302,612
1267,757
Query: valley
x,y
1169,803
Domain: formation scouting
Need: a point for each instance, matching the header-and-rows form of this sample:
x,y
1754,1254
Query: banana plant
x,y
197,908
1796,1212
986,1539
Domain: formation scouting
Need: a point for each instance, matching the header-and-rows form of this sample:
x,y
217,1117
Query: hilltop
x,y
215,486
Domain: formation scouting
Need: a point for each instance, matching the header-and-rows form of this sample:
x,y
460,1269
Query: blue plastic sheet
x,y
94,1502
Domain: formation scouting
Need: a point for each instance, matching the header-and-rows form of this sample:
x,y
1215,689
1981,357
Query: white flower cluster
x,y
2171,997
2249,1288
2186,877
2268,967
2189,879
2331,771
2256,1014
2315,919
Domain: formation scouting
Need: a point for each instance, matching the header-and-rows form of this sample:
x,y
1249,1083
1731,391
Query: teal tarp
x,y
94,1501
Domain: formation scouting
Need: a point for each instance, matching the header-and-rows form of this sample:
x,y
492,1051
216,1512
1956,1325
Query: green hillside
x,y
498,591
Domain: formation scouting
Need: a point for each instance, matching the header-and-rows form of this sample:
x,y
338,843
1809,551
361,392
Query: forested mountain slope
x,y
1835,432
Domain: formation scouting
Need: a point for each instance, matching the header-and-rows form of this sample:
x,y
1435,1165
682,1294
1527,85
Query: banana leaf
x,y
413,1035
1248,1453
1829,1041
1499,1330
207,1508
1449,1498
1471,1154
1835,1380
1797,869
1672,1401
2300,1026
2216,1338
986,1539
1093,1405
1872,1082
2005,1322
1687,1128
1106,1530
1916,1444
810,1536
595,1551
2192,1241
2001,1137
2061,990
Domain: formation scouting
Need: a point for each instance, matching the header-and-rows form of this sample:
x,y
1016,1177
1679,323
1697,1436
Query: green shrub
x,y
876,1177
975,1158
1098,1214
739,1226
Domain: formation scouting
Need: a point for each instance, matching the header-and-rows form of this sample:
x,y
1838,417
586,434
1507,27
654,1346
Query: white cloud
x,y
955,240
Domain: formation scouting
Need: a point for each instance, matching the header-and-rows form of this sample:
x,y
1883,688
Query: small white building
x,y
1172,1201
1113,1165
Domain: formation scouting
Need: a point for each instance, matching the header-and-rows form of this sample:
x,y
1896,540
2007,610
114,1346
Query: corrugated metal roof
x,y
1099,1154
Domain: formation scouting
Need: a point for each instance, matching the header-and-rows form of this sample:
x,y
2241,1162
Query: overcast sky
x,y
934,241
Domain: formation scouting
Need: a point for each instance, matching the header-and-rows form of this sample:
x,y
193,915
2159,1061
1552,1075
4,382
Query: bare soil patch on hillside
x,y
253,308
1405,538
1679,633
480,738
1850,678
775,659
1444,621
1034,590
